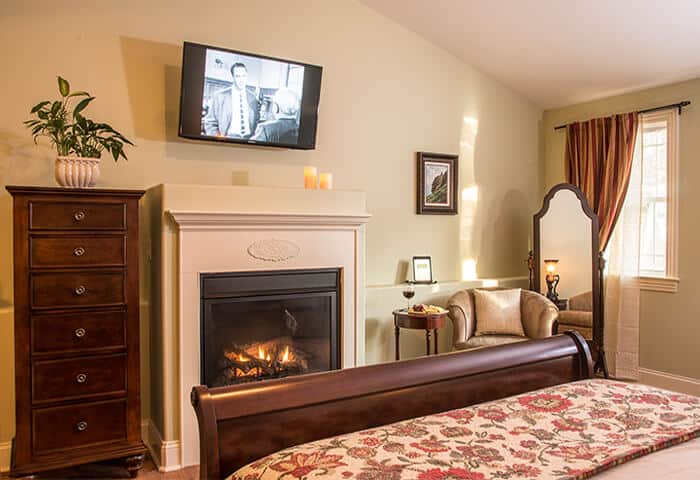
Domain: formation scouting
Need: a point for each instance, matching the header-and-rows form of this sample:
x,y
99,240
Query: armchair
x,y
538,317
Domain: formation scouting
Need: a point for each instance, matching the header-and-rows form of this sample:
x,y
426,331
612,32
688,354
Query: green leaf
x,y
55,107
79,94
38,106
81,105
63,86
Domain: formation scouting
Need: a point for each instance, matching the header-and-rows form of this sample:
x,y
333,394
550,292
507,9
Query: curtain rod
x,y
678,105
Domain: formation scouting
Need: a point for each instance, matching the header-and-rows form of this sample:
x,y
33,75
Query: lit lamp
x,y
552,279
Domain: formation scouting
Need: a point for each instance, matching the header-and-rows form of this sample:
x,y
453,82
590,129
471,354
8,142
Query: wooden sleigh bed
x,y
244,423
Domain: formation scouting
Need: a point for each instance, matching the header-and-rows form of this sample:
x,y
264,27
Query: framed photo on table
x,y
438,182
422,270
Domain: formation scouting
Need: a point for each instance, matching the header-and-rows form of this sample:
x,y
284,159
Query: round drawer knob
x,y
82,426
80,332
79,251
79,215
80,290
81,378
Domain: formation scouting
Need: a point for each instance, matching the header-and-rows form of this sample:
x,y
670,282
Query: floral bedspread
x,y
570,431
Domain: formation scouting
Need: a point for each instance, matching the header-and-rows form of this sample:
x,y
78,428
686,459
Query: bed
x,y
358,423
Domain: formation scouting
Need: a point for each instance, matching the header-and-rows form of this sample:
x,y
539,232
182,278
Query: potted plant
x,y
79,141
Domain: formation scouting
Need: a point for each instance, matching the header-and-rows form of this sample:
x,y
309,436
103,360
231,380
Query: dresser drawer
x,y
54,380
78,331
78,425
77,251
79,289
76,216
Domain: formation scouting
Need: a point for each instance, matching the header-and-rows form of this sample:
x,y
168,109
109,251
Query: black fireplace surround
x,y
269,324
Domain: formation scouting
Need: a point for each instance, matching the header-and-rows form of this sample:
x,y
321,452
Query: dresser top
x,y
87,192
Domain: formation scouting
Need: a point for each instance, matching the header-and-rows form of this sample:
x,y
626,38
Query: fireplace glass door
x,y
274,331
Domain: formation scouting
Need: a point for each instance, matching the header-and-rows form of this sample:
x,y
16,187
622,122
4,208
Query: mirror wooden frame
x,y
598,340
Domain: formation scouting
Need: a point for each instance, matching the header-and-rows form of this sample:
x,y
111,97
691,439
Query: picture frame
x,y
422,269
438,183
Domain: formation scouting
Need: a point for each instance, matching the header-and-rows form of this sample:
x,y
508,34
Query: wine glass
x,y
408,293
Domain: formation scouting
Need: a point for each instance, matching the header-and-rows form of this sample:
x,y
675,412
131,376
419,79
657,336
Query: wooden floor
x,y
114,470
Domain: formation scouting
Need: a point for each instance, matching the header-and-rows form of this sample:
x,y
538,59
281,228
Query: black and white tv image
x,y
238,97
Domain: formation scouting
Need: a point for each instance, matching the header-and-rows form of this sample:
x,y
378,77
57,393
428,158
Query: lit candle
x,y
310,177
326,181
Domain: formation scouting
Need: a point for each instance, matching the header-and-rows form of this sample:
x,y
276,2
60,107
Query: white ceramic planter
x,y
77,172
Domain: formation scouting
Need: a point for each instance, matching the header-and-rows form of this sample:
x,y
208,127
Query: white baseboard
x,y
5,451
165,454
669,381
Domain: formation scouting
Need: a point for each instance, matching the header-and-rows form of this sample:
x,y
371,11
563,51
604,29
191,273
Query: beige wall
x,y
669,328
386,94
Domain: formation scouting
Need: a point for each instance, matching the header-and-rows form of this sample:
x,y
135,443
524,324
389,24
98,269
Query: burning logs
x,y
258,361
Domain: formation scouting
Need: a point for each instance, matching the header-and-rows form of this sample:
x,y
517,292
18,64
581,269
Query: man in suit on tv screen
x,y
233,112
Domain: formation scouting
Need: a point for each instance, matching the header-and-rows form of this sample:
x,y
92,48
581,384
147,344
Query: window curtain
x,y
599,156
599,161
622,287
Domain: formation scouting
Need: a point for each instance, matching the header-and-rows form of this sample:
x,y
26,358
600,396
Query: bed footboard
x,y
241,423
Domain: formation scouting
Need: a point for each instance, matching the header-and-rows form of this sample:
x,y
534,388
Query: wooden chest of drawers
x,y
76,294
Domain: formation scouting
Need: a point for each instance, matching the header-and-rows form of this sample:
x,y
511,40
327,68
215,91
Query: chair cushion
x,y
489,341
582,301
575,317
498,312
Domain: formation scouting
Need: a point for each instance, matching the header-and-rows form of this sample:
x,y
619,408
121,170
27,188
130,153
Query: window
x,y
658,157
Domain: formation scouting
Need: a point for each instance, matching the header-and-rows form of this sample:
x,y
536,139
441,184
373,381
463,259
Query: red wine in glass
x,y
408,293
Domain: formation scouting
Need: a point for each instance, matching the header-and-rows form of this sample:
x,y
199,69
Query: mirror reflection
x,y
566,260
565,240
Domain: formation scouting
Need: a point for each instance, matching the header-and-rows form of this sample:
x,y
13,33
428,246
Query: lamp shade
x,y
550,266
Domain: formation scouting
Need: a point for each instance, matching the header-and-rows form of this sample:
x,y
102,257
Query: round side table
x,y
419,321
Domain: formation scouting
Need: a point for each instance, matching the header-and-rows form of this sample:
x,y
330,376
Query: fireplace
x,y
262,325
201,229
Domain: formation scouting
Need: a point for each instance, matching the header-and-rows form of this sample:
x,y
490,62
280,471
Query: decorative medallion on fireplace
x,y
262,325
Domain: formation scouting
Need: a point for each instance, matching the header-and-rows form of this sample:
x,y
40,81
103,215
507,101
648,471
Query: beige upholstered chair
x,y
579,316
538,316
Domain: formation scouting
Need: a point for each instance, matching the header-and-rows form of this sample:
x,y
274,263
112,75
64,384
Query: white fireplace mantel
x,y
227,229
191,220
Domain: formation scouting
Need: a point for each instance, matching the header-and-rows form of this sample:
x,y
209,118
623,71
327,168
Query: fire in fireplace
x,y
258,361
262,325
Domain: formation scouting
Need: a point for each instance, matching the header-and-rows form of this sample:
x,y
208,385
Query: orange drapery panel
x,y
599,156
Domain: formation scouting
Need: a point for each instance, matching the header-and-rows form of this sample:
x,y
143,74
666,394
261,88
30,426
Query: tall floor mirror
x,y
567,264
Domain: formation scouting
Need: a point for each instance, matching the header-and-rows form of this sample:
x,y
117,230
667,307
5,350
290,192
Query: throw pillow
x,y
498,312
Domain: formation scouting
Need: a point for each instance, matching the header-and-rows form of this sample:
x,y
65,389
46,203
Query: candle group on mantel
x,y
312,180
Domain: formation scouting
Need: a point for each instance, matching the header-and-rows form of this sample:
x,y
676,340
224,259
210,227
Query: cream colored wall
x,y
669,328
386,94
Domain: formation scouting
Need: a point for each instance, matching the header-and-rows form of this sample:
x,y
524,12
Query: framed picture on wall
x,y
422,270
438,182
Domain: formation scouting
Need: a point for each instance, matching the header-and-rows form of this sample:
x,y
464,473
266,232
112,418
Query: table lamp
x,y
552,278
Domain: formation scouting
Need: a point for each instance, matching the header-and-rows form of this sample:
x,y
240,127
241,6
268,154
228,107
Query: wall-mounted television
x,y
237,97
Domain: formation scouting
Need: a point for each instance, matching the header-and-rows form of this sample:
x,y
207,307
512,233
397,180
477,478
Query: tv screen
x,y
238,97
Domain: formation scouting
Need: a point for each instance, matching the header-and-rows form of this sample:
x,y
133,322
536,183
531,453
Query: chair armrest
x,y
460,308
538,314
